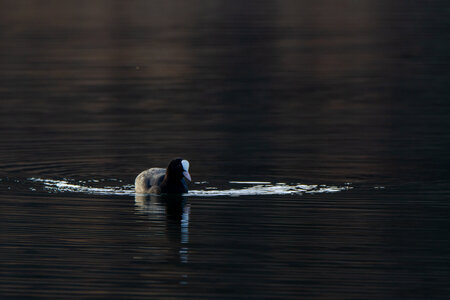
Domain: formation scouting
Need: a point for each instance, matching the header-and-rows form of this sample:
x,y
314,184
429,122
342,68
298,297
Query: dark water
x,y
295,92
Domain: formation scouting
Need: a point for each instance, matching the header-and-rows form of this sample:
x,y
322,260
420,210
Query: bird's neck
x,y
173,184
168,178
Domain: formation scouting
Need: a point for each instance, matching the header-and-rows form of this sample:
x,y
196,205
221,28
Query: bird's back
x,y
149,178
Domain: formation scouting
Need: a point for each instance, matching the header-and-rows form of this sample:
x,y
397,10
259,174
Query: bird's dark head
x,y
178,168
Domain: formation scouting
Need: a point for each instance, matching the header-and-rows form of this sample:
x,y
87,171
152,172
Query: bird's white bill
x,y
187,175
185,164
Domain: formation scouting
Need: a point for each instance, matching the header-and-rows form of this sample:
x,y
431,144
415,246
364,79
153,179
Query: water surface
x,y
317,135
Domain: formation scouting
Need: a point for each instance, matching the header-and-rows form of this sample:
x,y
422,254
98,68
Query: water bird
x,y
164,181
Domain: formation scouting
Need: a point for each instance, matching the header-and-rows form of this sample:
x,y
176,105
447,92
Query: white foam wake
x,y
254,188
52,185
270,189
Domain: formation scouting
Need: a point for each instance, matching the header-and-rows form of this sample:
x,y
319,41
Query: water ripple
x,y
253,188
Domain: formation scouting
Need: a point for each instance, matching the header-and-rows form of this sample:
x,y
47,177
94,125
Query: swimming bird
x,y
164,181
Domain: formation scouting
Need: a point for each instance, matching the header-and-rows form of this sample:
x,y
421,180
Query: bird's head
x,y
178,168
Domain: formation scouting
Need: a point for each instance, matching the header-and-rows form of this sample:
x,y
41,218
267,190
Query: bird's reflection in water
x,y
175,210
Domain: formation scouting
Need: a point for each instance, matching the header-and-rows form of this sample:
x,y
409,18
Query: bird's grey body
x,y
148,181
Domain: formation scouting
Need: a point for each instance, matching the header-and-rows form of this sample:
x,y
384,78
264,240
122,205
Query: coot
x,y
164,181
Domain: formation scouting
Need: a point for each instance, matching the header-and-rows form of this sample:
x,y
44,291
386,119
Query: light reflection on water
x,y
174,208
